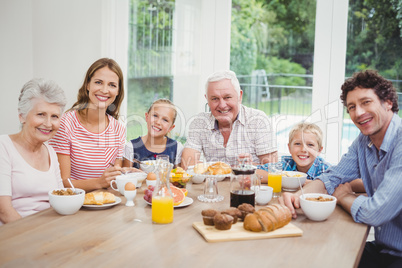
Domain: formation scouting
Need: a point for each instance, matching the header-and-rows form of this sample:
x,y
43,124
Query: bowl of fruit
x,y
179,177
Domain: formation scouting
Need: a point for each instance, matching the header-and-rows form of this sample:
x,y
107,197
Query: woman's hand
x,y
108,175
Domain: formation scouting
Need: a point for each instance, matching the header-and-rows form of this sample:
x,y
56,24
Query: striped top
x,y
90,153
381,172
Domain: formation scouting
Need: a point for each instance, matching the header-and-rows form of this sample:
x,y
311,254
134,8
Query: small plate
x,y
104,206
187,201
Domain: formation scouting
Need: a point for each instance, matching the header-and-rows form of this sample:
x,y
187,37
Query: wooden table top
x,y
125,237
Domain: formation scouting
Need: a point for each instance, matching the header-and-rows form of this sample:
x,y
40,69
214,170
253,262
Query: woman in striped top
x,y
90,137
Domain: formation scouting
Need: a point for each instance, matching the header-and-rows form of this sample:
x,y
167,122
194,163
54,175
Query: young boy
x,y
305,145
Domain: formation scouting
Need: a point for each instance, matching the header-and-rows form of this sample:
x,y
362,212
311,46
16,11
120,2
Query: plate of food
x,y
187,201
200,171
100,200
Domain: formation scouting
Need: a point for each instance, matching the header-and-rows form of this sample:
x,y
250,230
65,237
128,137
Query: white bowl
x,y
290,180
316,210
140,176
148,166
67,204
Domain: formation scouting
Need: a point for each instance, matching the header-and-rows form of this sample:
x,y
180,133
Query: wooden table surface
x,y
125,237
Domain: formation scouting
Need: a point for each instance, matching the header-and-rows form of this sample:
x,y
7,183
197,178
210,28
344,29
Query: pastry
x,y
219,168
99,198
234,212
223,221
200,168
245,209
208,216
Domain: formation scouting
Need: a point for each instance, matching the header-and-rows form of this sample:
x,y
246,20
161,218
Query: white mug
x,y
121,181
263,195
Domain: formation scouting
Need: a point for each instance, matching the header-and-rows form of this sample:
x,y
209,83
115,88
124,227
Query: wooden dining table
x,y
122,236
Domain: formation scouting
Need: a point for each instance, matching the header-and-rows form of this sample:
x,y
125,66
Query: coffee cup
x,y
121,181
263,194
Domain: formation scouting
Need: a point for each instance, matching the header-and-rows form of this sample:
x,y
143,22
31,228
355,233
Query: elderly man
x,y
376,157
230,131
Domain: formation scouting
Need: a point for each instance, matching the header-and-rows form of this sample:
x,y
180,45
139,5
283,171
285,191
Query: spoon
x,y
301,188
72,186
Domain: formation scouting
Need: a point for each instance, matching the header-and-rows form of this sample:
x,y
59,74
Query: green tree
x,y
374,37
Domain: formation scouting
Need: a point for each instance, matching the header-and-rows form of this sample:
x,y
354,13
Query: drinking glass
x,y
210,191
275,178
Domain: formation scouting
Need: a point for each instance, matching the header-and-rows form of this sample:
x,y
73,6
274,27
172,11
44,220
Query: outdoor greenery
x,y
276,36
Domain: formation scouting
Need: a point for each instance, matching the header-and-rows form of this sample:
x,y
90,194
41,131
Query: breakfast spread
x,y
179,194
217,168
99,198
319,199
64,192
268,219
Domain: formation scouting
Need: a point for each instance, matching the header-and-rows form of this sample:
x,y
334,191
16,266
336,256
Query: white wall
x,y
58,40
202,46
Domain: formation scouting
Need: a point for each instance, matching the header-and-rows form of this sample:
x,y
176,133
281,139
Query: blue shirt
x,y
381,172
288,164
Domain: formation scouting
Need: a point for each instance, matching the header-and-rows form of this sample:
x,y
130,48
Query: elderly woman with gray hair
x,y
28,165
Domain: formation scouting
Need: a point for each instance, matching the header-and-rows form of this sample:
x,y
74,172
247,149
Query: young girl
x,y
160,120
90,137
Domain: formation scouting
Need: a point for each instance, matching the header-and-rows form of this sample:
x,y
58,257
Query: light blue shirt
x,y
381,172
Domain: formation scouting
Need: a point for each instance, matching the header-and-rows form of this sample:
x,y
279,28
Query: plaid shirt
x,y
288,164
251,133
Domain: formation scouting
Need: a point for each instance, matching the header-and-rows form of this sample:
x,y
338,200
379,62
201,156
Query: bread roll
x,y
251,223
99,198
269,219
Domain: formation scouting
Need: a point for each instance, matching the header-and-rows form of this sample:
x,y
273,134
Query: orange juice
x,y
162,209
275,181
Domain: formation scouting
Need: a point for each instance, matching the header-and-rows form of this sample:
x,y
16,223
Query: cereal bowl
x,y
290,180
317,210
66,204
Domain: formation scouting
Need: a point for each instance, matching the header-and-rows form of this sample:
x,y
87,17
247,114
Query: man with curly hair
x,y
376,157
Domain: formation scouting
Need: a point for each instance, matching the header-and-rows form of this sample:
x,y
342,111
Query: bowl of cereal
x,y
316,206
290,180
66,201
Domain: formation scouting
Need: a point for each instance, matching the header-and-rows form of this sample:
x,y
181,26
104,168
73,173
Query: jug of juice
x,y
162,197
243,185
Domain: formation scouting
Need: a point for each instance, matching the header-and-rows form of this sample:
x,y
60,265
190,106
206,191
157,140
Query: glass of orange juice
x,y
275,178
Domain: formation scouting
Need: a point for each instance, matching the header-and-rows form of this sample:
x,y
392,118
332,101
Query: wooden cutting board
x,y
237,232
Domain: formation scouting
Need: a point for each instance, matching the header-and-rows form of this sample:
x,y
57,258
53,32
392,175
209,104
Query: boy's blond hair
x,y
307,127
167,102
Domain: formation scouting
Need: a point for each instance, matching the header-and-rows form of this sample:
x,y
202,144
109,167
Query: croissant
x,y
99,198
219,168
